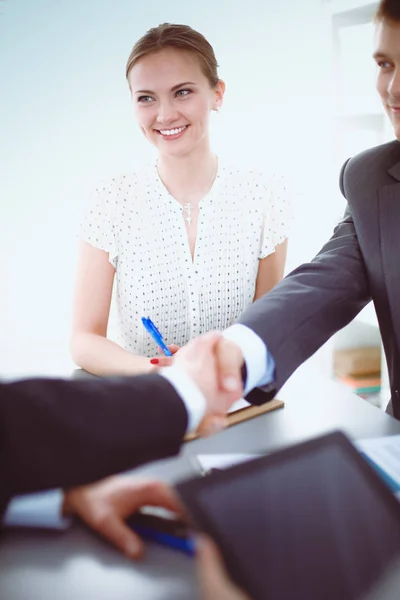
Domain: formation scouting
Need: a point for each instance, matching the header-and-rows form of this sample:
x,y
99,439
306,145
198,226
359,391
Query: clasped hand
x,y
214,364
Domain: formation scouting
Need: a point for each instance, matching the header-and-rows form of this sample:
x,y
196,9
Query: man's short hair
x,y
388,10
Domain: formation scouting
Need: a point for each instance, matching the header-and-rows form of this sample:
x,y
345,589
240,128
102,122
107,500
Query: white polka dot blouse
x,y
134,218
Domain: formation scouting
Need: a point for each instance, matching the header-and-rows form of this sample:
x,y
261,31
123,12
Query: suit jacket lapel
x,y
389,213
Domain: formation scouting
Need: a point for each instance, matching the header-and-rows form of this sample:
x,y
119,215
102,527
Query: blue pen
x,y
176,543
156,335
168,532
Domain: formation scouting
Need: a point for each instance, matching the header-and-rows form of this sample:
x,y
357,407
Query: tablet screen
x,y
311,525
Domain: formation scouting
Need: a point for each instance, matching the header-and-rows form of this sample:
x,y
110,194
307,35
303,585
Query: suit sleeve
x,y
313,302
56,433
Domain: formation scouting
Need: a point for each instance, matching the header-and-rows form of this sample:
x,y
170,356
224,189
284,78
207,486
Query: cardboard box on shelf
x,y
357,362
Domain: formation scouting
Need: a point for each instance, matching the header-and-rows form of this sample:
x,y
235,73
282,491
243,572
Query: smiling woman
x,y
190,241
181,111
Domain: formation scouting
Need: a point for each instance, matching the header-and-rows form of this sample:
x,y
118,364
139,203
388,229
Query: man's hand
x,y
105,505
214,364
214,581
225,354
228,356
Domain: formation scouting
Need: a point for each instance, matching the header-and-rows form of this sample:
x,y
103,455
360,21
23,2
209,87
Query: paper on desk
x,y
222,461
385,452
238,405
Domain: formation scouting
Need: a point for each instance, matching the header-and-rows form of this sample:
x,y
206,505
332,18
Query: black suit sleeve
x,y
317,299
56,433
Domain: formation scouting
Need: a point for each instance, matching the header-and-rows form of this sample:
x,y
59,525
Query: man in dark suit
x,y
360,263
58,434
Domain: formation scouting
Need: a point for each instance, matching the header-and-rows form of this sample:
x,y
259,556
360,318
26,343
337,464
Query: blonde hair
x,y
181,37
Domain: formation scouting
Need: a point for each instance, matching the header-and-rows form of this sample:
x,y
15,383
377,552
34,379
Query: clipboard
x,y
244,414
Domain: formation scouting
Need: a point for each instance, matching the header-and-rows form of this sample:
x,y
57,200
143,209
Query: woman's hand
x,y
164,361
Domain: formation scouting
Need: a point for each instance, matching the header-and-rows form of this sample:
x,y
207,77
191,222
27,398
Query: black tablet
x,y
312,522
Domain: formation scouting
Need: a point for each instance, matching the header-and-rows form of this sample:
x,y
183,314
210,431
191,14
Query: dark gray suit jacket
x,y
361,262
56,433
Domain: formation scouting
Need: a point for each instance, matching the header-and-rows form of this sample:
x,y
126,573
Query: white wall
x,y
66,122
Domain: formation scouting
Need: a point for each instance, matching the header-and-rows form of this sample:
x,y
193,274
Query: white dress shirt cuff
x,y
43,509
259,362
190,394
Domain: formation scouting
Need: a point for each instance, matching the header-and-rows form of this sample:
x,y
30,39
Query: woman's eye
x,y
144,99
182,93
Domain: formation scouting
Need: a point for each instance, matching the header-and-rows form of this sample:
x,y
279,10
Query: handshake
x,y
214,364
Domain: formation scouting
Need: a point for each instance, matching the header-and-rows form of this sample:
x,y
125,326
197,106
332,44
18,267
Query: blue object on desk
x,y
156,335
168,532
186,546
393,485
